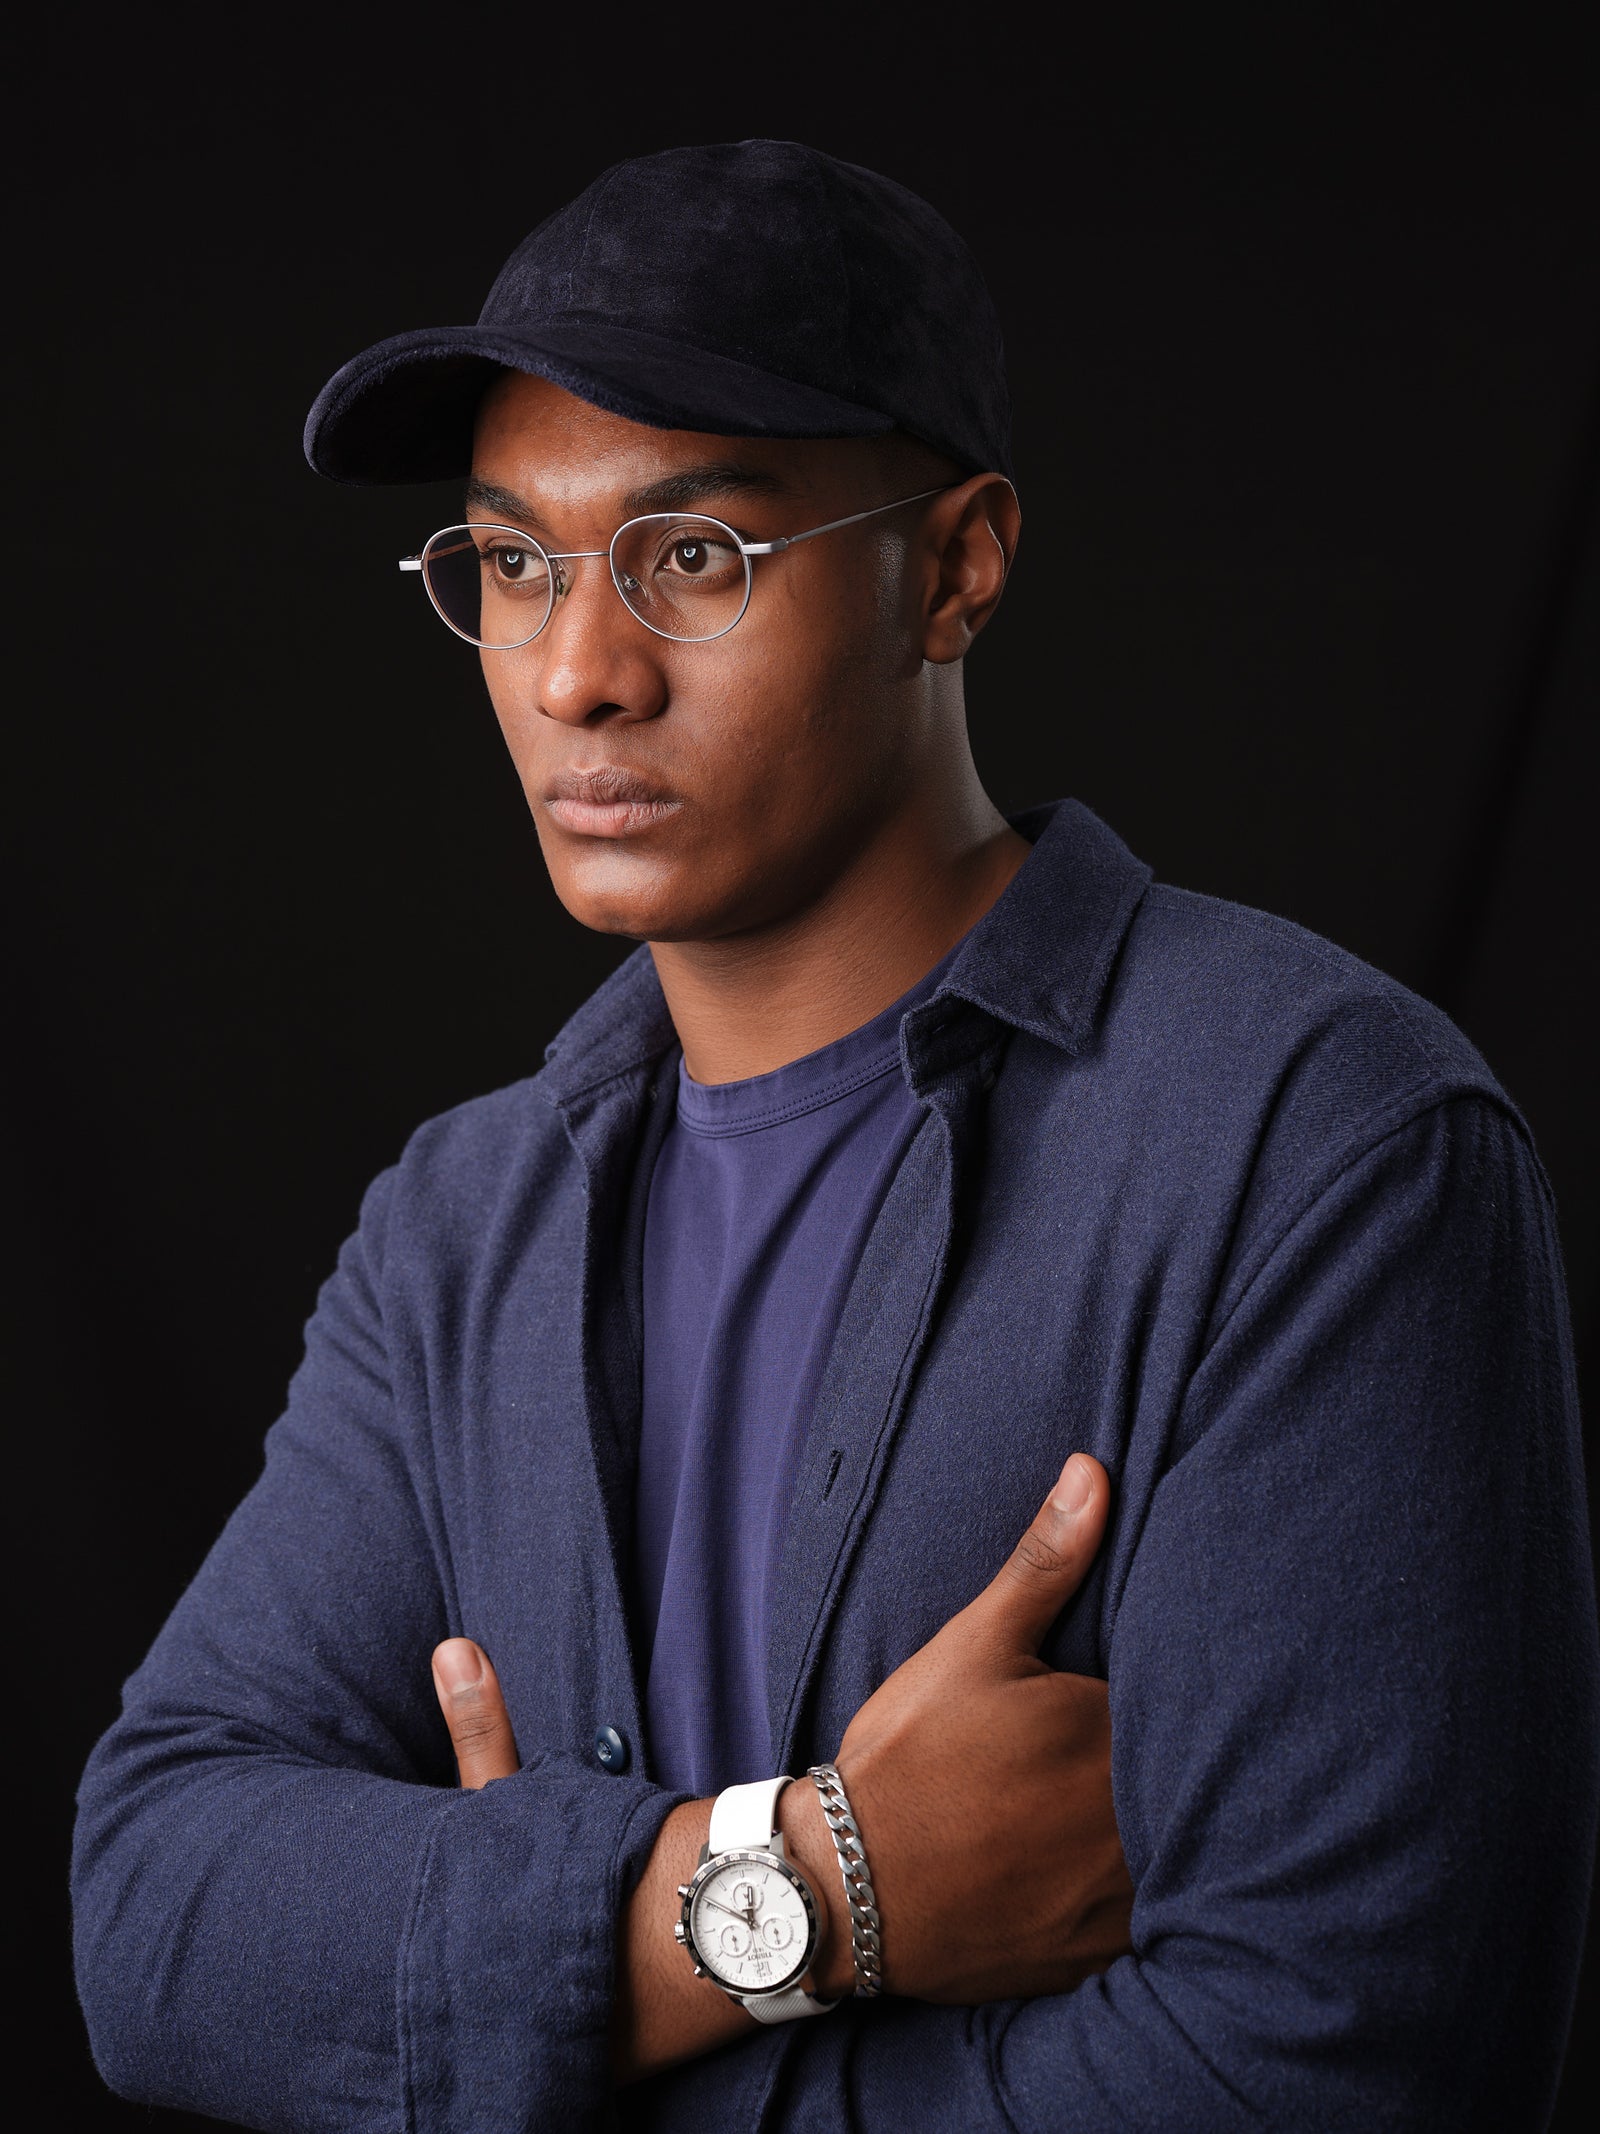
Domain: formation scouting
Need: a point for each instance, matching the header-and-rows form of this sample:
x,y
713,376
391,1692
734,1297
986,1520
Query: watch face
x,y
751,1921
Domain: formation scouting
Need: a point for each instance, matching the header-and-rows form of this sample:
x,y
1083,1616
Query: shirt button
x,y
611,1749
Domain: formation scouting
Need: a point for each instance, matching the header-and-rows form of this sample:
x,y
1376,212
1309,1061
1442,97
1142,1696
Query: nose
x,y
599,661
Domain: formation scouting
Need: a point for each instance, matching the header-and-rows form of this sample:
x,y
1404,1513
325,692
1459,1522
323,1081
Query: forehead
x,y
562,454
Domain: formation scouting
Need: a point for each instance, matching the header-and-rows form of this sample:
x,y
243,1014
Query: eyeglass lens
x,y
488,584
687,578
684,578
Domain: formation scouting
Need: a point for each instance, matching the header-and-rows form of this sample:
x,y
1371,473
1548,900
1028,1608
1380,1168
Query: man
x,y
686,1402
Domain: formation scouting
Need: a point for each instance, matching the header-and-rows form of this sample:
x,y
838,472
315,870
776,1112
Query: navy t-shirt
x,y
761,1200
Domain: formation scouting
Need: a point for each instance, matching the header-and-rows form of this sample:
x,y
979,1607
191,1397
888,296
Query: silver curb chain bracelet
x,y
864,1922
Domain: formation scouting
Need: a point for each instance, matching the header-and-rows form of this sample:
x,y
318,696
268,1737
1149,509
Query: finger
x,y
475,1712
1049,1562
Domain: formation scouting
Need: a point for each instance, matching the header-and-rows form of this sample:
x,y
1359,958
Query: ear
x,y
971,534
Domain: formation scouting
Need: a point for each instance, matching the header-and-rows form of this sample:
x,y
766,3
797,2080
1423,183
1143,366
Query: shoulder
x,y
480,1183
1255,1054
1260,1003
472,1144
463,1172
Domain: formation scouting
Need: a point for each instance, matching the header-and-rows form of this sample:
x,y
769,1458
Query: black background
x,y
1303,317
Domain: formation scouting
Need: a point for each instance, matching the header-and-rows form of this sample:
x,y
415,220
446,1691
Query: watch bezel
x,y
753,1856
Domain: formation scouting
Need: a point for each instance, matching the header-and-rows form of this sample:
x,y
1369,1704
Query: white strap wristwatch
x,y
749,1918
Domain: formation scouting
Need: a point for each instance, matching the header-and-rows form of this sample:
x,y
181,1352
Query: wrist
x,y
809,1845
661,2013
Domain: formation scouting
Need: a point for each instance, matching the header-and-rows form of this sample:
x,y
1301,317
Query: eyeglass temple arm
x,y
772,548
411,563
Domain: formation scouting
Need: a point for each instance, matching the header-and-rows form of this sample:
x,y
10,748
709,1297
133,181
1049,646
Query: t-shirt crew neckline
x,y
804,1085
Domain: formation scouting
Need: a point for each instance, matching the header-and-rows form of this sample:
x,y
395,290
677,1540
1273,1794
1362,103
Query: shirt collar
x,y
1039,959
1041,956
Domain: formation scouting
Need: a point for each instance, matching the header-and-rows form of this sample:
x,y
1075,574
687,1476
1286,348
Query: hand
x,y
981,1780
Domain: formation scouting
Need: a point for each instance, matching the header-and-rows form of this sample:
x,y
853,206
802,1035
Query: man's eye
x,y
698,556
516,570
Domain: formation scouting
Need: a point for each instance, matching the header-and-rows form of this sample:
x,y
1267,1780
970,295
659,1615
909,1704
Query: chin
x,y
613,893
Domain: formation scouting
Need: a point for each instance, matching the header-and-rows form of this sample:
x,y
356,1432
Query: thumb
x,y
1048,1564
474,1710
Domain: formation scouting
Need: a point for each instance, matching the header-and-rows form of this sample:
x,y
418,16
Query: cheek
x,y
795,700
767,723
509,695
765,754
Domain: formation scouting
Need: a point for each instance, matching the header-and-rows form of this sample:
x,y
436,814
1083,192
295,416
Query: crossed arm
x,y
1352,1701
1011,1887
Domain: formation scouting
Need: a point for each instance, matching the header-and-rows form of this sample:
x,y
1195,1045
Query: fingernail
x,y
1075,1487
458,1663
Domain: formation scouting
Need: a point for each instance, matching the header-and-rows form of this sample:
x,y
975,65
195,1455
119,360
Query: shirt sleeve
x,y
286,1915
1353,1687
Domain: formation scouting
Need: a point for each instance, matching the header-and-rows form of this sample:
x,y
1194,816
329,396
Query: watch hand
x,y
728,1908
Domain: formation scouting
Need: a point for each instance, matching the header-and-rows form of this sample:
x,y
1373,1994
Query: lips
x,y
607,801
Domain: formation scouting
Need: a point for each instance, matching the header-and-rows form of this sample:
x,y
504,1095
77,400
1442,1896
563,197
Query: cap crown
x,y
746,288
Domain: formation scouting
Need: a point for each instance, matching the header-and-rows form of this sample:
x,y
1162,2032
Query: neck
x,y
751,1002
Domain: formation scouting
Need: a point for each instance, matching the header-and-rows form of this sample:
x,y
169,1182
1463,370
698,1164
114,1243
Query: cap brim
x,y
403,410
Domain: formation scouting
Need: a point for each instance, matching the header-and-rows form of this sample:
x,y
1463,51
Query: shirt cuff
x,y
507,1963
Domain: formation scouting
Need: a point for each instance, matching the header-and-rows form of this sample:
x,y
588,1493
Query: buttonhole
x,y
834,1459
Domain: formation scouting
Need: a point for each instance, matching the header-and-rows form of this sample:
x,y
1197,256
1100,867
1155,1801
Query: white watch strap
x,y
742,1817
784,2007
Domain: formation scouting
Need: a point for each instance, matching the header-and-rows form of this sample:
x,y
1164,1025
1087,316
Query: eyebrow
x,y
673,492
692,485
499,503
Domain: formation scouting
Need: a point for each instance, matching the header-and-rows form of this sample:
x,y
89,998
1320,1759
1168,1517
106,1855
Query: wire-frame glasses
x,y
685,576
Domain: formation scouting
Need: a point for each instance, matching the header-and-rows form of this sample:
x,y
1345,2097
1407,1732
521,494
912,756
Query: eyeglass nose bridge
x,y
561,580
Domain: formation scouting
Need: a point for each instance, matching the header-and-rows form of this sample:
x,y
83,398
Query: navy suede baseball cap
x,y
755,289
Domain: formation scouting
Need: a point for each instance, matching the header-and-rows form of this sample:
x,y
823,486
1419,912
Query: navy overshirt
x,y
1192,1191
